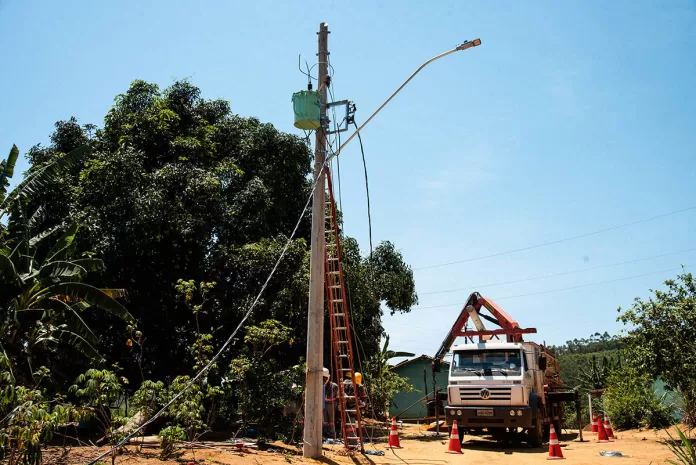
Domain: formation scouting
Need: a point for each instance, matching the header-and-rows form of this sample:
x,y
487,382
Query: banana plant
x,y
47,294
42,296
381,380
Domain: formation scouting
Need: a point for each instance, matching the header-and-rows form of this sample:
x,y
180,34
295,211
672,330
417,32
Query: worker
x,y
354,394
330,404
362,395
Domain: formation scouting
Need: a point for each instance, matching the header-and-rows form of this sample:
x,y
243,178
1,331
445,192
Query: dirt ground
x,y
419,448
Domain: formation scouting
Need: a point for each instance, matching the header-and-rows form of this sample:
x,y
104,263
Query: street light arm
x,y
464,46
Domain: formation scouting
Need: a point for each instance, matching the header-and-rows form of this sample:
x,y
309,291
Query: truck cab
x,y
496,386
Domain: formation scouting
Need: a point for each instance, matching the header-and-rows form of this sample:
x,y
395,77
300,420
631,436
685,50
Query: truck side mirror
x,y
542,362
435,365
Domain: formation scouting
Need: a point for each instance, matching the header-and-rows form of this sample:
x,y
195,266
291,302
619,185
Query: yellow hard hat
x,y
358,378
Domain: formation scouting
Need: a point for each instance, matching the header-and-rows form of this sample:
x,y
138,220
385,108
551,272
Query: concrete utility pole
x,y
313,418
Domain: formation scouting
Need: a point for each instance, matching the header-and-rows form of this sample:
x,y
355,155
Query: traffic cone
x,y
394,436
455,447
555,452
608,428
601,433
595,428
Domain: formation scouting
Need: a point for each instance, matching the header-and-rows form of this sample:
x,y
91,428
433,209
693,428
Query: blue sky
x,y
567,120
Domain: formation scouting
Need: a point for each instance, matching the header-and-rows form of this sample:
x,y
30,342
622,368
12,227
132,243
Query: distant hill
x,y
575,356
595,343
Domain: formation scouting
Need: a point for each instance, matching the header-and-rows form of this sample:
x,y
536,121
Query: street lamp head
x,y
469,44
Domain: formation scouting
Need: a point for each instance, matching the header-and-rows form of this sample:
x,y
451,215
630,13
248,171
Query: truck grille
x,y
485,393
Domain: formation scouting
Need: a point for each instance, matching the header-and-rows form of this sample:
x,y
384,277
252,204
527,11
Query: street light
x,y
467,44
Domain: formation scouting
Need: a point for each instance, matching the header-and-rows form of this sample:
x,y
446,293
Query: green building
x,y
420,376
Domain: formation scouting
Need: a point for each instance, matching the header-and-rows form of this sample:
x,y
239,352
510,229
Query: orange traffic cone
x,y
555,452
595,428
601,433
455,447
608,428
394,436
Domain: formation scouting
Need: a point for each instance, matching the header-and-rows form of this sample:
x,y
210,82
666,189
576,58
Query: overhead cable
x,y
479,286
545,244
564,288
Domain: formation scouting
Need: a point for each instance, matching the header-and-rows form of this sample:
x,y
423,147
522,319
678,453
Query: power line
x,y
545,244
479,286
367,188
337,137
229,339
565,288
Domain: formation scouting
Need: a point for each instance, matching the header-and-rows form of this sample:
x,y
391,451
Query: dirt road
x,y
638,447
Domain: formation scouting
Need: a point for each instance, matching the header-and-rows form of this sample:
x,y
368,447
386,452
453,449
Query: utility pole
x,y
313,418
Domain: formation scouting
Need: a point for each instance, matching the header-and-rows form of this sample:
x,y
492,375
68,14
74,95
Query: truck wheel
x,y
535,436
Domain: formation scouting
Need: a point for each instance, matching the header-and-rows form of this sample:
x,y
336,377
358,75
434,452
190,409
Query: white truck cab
x,y
497,386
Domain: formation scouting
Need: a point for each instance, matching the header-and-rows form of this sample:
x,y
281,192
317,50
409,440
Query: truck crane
x,y
500,384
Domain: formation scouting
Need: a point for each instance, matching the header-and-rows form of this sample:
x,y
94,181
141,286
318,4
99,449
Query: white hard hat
x,y
326,373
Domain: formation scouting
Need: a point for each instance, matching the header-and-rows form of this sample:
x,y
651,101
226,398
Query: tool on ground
x,y
394,436
341,339
555,452
455,446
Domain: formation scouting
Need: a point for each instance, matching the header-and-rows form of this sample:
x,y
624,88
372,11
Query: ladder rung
x,y
340,328
334,272
341,342
345,369
332,259
337,286
340,301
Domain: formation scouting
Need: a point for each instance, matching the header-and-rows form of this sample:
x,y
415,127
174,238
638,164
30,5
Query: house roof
x,y
416,359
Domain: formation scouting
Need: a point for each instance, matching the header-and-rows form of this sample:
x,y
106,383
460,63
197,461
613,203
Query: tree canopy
x,y
175,186
661,337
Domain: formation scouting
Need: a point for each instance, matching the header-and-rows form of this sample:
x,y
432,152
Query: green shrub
x,y
631,401
29,418
169,436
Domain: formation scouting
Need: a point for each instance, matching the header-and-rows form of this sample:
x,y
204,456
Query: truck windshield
x,y
487,362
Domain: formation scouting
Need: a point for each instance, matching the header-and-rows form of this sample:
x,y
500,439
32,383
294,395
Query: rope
x,y
229,339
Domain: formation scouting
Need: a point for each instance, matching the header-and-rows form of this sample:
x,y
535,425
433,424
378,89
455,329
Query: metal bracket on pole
x,y
349,106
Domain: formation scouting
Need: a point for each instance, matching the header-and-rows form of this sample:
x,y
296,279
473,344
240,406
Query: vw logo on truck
x,y
485,393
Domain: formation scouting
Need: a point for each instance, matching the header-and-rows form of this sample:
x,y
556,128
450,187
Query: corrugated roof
x,y
411,360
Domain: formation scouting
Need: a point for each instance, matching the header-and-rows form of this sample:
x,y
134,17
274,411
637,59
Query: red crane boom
x,y
472,309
